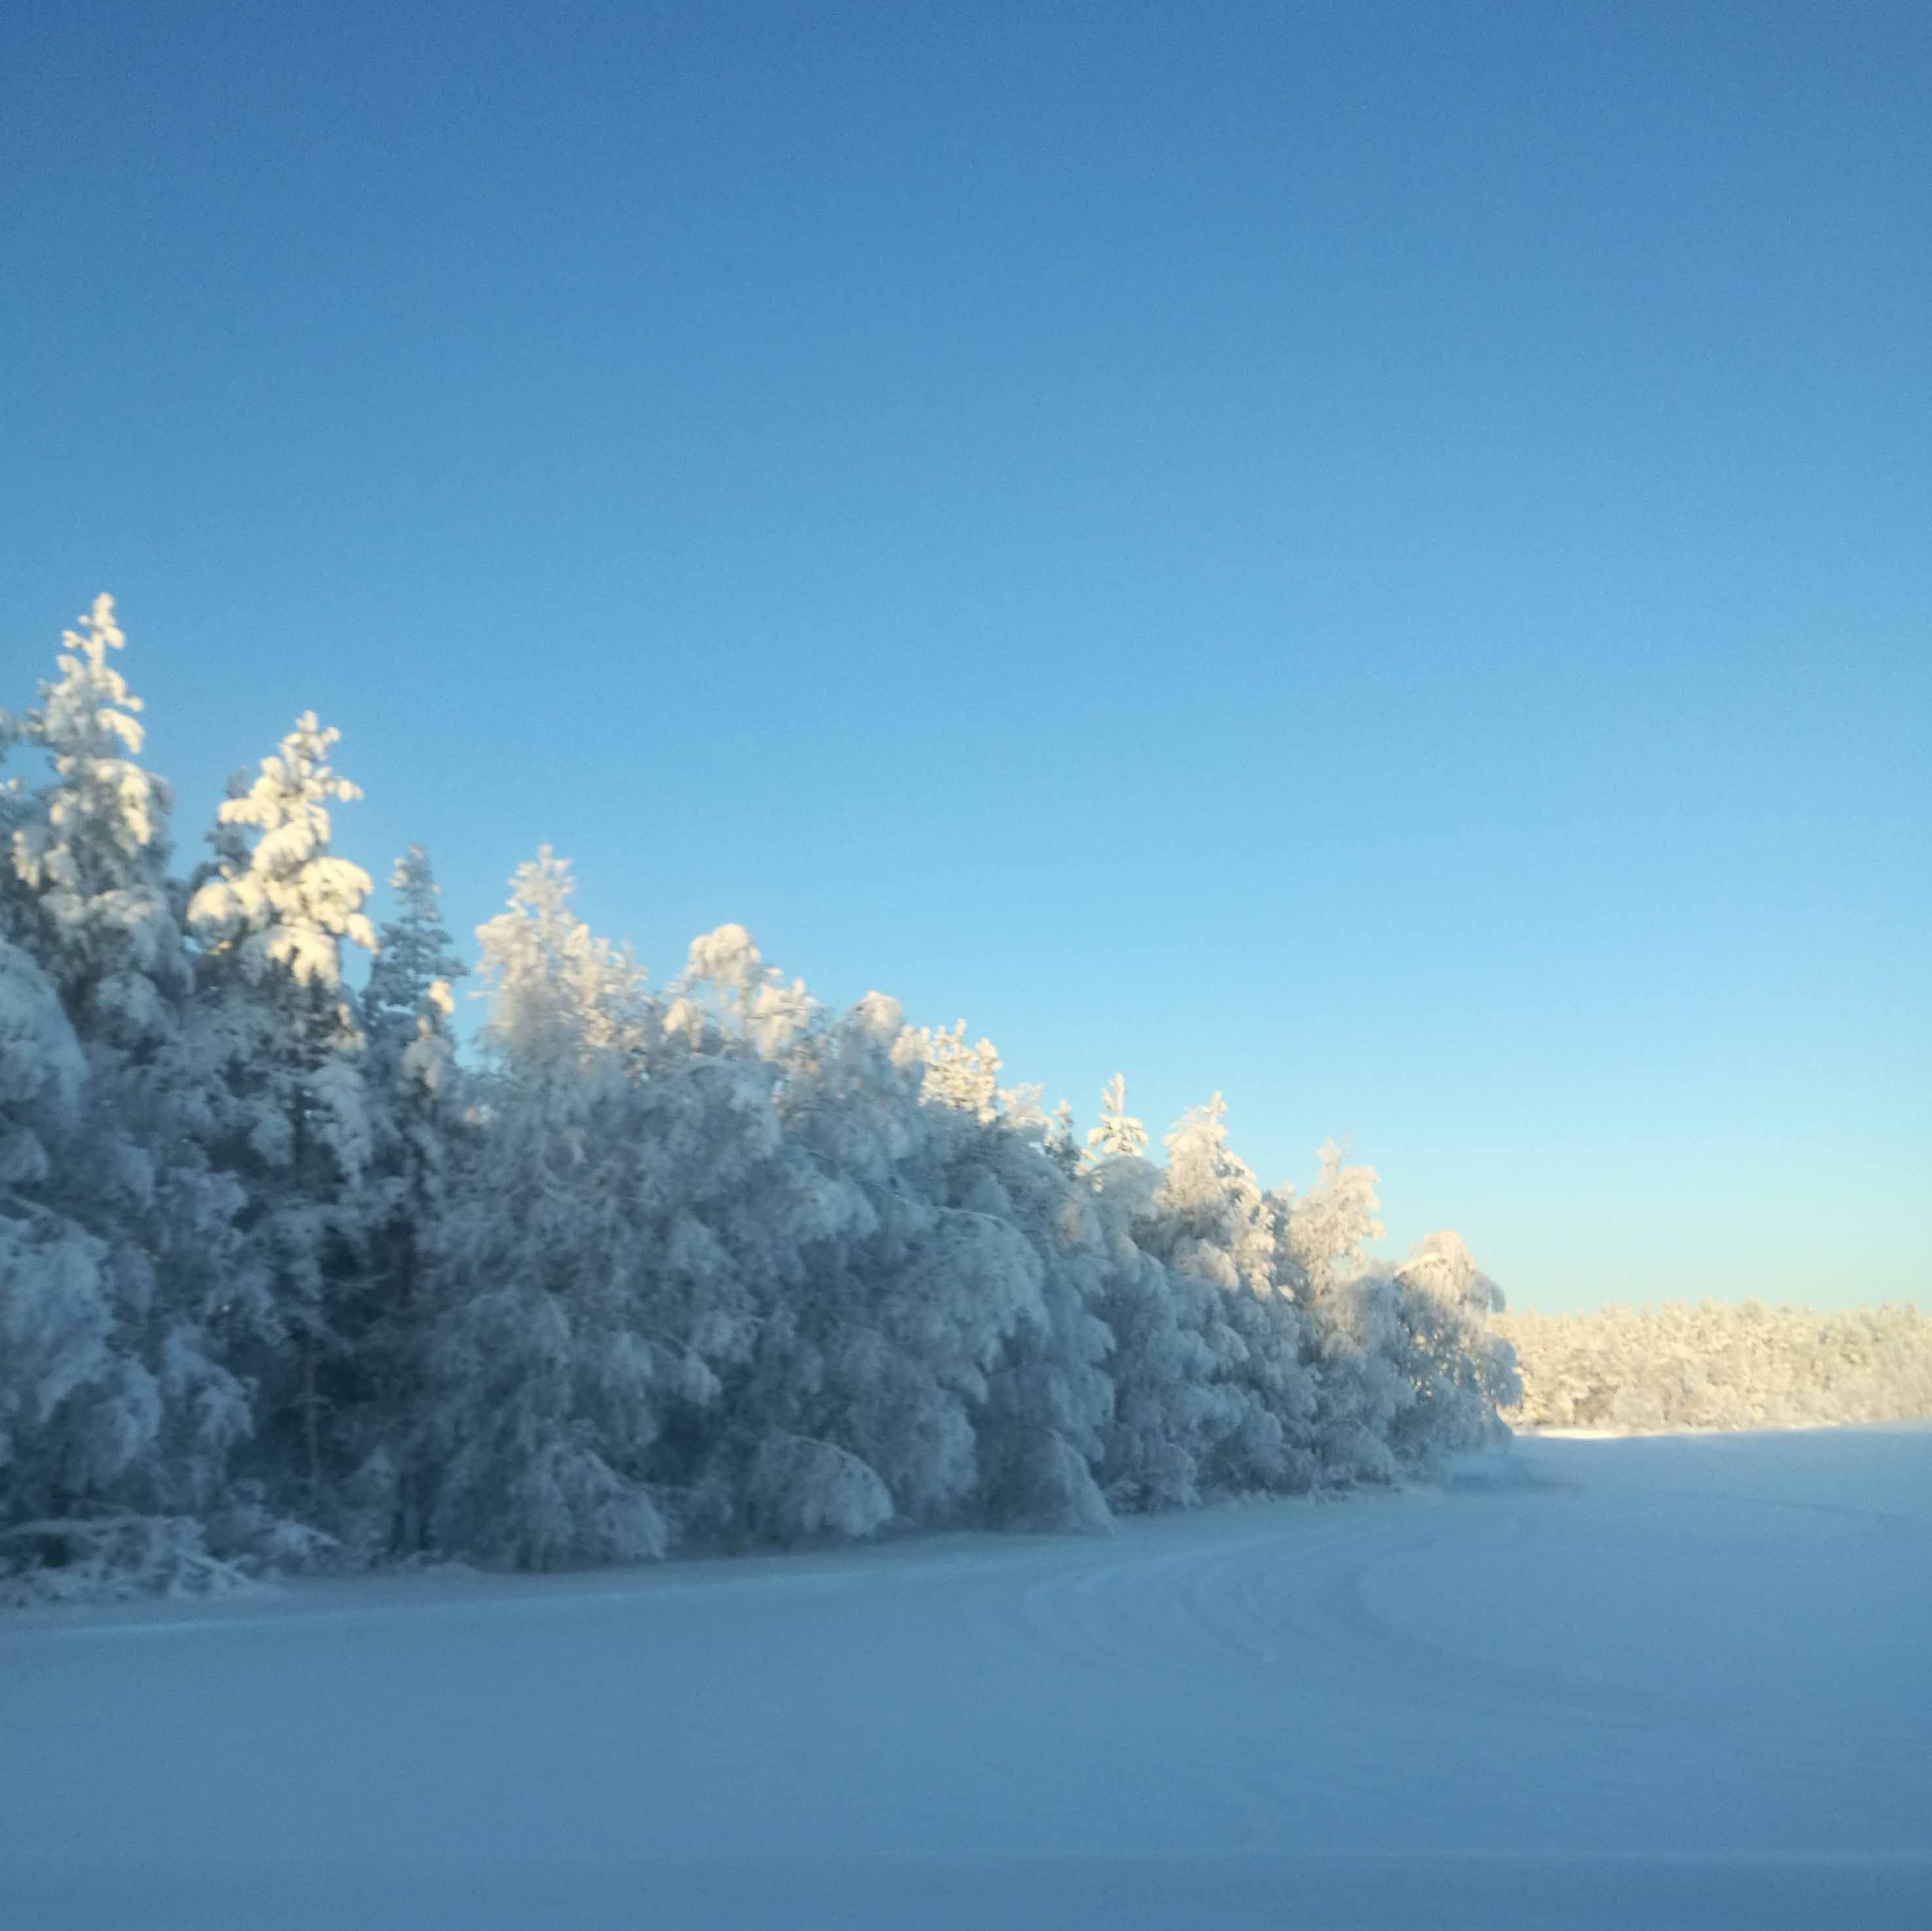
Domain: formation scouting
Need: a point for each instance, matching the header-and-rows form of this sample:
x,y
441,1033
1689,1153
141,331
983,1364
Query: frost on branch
x,y
727,985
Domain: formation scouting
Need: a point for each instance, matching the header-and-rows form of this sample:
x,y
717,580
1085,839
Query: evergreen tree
x,y
78,1409
276,1029
84,889
414,955
420,1136
89,851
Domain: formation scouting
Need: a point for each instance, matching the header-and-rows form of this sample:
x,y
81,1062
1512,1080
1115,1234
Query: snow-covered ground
x,y
1661,1681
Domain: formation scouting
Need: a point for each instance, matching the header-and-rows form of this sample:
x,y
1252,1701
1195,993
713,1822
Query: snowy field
x,y
1663,1681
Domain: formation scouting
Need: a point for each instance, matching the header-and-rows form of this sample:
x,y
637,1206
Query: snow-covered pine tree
x,y
276,1029
88,850
414,954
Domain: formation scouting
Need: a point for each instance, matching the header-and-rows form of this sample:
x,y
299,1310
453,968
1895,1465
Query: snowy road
x,y
1664,1682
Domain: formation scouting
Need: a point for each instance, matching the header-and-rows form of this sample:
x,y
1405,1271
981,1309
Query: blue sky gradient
x,y
1377,558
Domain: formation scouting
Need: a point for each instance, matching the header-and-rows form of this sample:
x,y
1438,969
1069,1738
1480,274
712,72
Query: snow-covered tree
x,y
1041,1429
1352,1318
727,1206
281,902
1211,1222
419,1104
84,889
1461,1373
726,983
1171,1407
89,851
953,1073
1119,1136
276,1028
77,1407
414,954
883,1352
547,1382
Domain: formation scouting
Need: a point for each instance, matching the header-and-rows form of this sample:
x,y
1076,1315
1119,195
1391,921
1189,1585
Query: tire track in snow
x,y
1145,1612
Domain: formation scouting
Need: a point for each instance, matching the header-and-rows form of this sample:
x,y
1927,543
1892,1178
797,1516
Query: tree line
x,y
286,1278
1719,1364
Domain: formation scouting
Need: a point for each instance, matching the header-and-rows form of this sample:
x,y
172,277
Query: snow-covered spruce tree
x,y
1170,1407
88,851
549,1364
275,1030
414,955
1352,1319
1041,1429
420,1134
1210,1222
83,888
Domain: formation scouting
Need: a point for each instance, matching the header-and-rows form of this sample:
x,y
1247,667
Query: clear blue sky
x,y
1376,558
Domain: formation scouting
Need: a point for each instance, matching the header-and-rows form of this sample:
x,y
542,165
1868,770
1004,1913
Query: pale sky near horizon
x,y
1374,558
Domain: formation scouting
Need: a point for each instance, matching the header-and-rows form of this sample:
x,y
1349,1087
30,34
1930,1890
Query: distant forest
x,y
1719,1364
